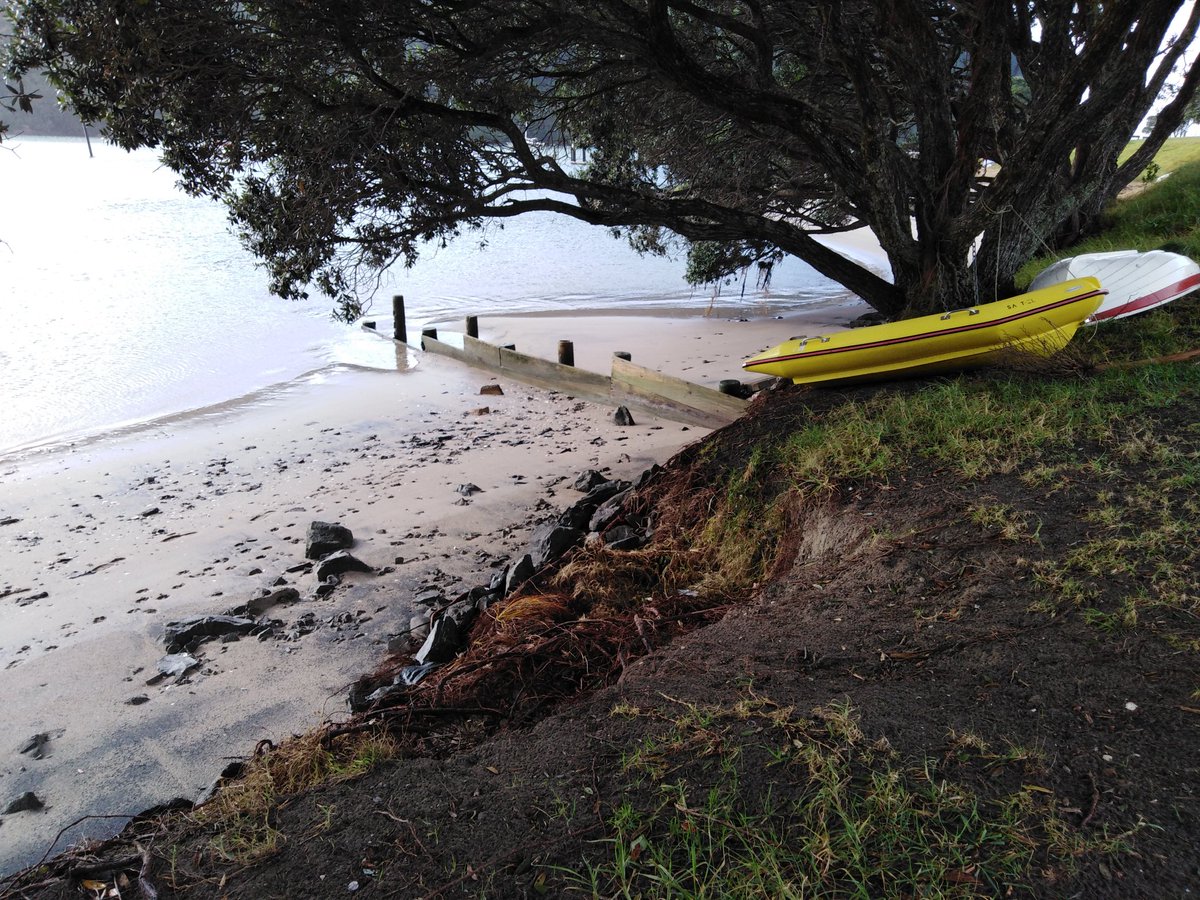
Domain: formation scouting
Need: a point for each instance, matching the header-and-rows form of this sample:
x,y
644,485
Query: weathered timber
x,y
673,397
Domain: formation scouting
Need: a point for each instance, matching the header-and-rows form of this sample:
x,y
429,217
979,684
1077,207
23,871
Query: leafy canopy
x,y
344,133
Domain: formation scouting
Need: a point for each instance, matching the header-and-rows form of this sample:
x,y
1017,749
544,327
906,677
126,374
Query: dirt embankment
x,y
914,684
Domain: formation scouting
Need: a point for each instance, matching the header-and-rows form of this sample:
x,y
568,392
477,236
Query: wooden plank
x,y
569,379
484,356
470,357
487,354
654,388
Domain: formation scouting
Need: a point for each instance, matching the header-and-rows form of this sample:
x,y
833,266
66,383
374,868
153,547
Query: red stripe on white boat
x,y
809,354
1170,292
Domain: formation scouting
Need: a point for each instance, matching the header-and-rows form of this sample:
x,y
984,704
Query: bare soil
x,y
887,596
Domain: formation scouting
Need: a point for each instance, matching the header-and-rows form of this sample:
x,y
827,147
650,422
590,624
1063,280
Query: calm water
x,y
123,300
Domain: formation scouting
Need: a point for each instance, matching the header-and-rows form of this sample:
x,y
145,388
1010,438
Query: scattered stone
x,y
9,520
138,700
340,562
481,411
607,511
468,489
618,534
36,745
643,479
520,572
326,587
551,541
604,491
588,480
174,665
448,633
27,801
325,538
152,511
623,416
259,605
299,567
179,635
492,390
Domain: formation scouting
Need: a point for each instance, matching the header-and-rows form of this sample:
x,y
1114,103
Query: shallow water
x,y
124,300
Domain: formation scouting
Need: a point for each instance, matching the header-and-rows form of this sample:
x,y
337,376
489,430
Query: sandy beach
x,y
105,542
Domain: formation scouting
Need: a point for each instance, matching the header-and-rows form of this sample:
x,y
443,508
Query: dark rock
x,y
520,572
603,491
588,480
499,579
325,588
36,745
448,634
175,665
152,511
138,700
259,605
299,567
468,489
577,515
492,390
430,598
27,801
179,635
551,541
325,538
642,480
618,533
608,511
339,563
9,520
623,416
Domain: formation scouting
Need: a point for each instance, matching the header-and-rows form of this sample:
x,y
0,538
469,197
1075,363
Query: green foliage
x,y
839,817
345,137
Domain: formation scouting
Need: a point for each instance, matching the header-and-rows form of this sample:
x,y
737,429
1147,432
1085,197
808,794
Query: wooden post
x,y
399,330
428,333
473,326
623,354
566,353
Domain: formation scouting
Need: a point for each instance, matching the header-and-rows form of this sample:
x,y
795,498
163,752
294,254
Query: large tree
x,y
344,133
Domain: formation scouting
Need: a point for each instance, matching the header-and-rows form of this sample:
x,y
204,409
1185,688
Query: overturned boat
x,y
1040,322
1135,281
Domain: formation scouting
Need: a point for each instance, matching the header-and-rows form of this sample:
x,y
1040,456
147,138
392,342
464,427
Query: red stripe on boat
x,y
1162,296
809,354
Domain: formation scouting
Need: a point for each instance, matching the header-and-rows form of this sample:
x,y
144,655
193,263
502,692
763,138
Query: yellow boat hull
x,y
1040,322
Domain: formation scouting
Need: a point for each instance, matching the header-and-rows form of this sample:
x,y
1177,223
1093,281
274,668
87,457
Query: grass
x,y
975,427
838,815
1176,152
240,818
1168,213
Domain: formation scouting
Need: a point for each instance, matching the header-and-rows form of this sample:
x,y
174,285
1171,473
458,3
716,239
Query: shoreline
x,y
106,541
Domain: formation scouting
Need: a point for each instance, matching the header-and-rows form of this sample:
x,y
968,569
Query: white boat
x,y
1135,281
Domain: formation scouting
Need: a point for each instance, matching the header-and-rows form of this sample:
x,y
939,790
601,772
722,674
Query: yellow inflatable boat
x,y
1040,322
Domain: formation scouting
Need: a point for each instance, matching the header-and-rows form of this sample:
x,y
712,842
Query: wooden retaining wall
x,y
630,385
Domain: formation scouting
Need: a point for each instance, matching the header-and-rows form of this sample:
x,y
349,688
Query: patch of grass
x,y
1174,153
240,818
1140,559
1010,524
975,426
842,816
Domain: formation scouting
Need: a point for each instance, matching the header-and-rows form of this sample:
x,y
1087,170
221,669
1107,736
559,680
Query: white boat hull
x,y
1136,282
